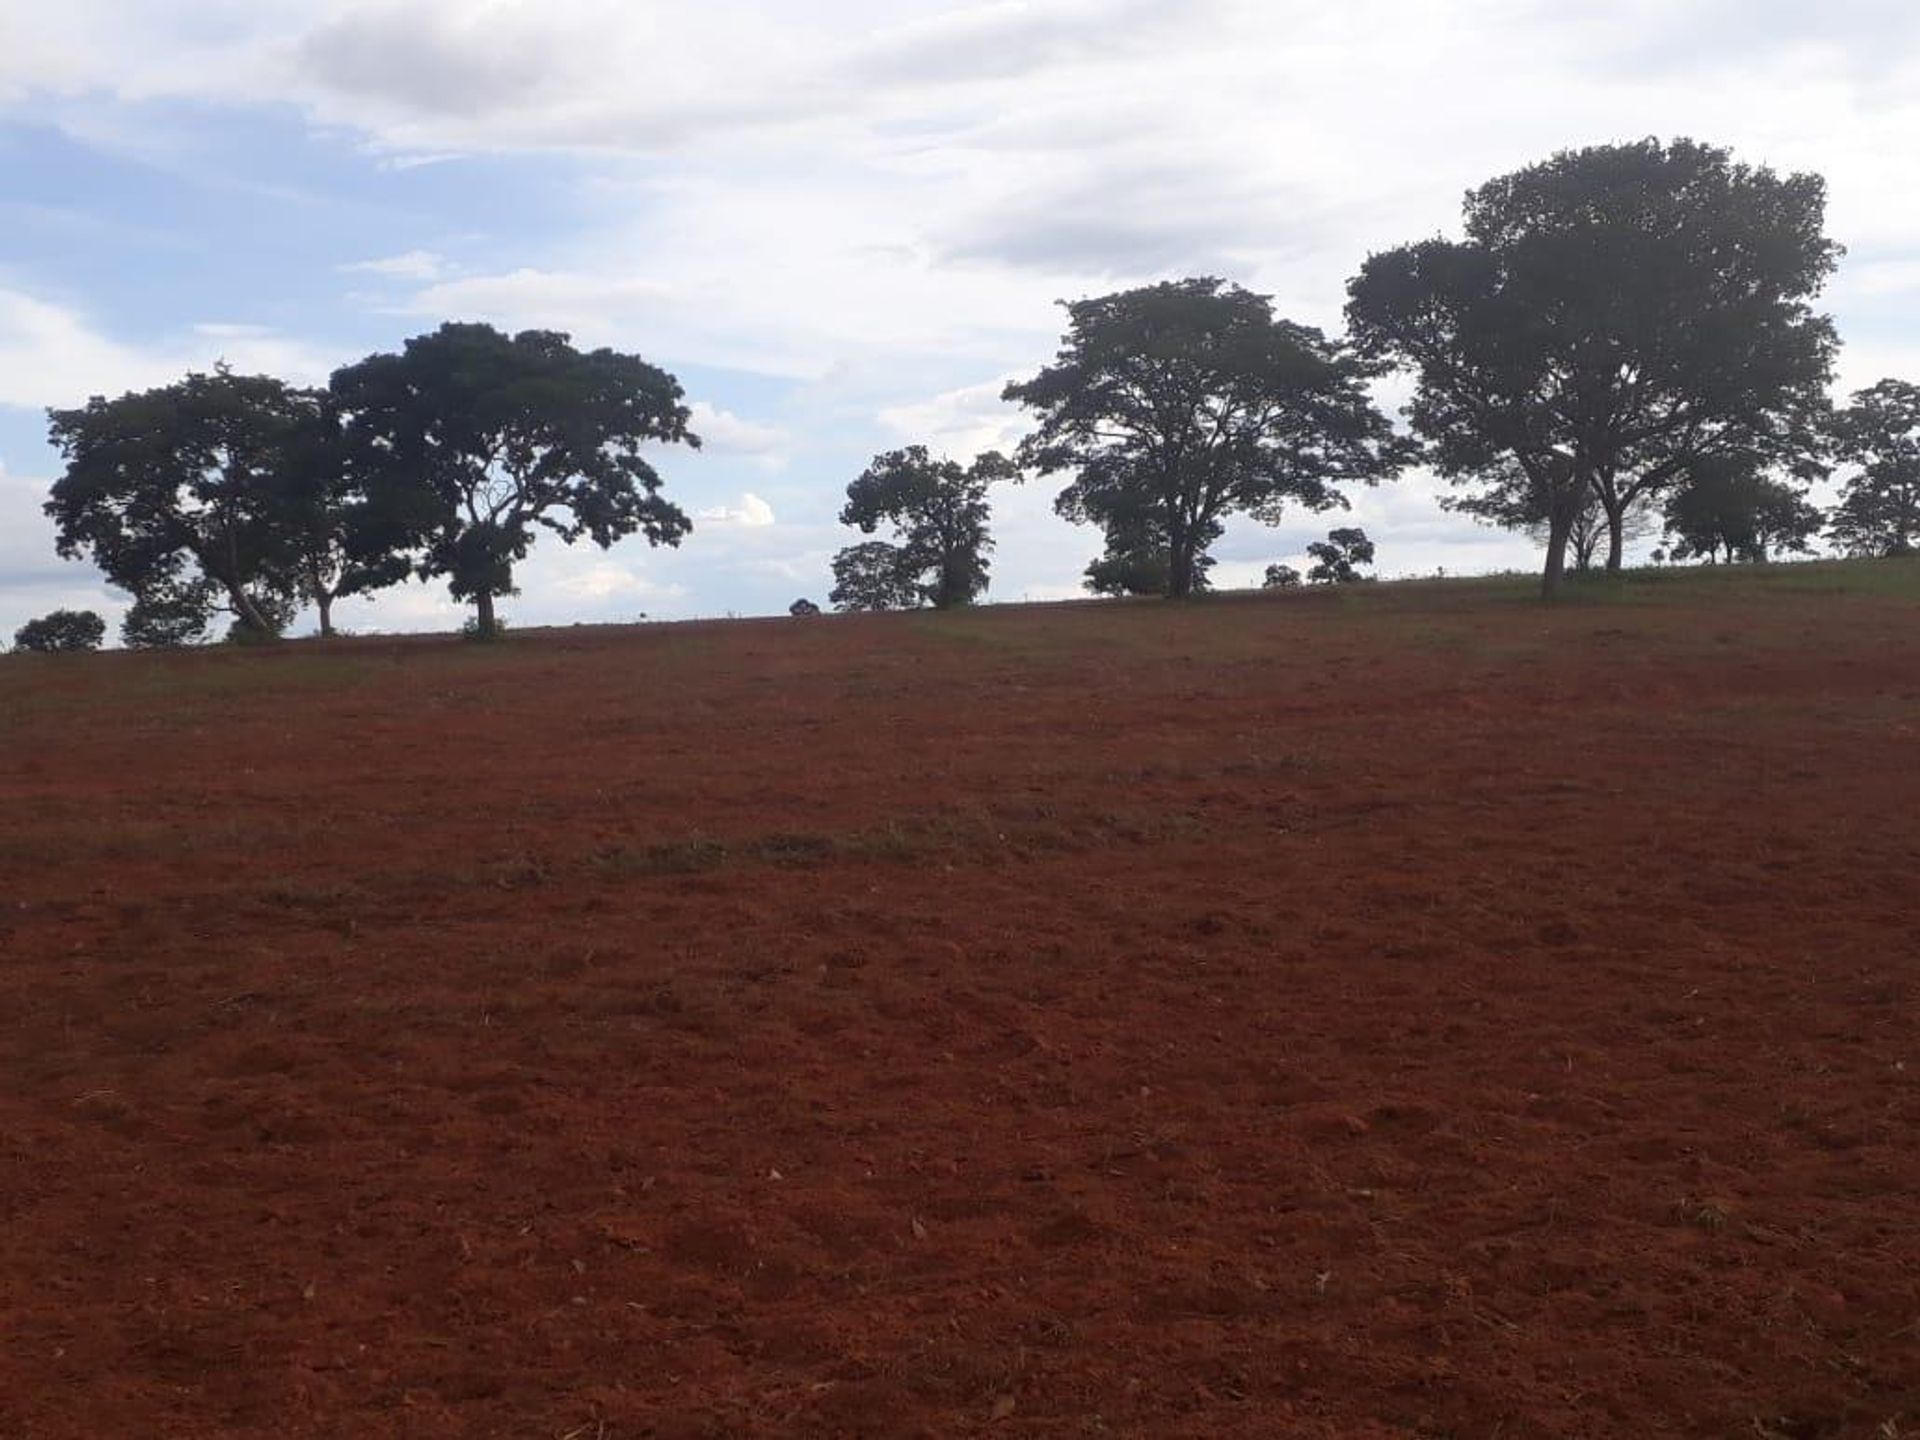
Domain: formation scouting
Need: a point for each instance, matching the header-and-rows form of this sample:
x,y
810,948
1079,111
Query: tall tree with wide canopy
x,y
1614,316
178,494
500,436
938,510
1180,404
1729,508
1879,510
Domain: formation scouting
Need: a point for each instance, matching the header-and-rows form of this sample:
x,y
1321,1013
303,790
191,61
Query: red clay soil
x,y
1418,1014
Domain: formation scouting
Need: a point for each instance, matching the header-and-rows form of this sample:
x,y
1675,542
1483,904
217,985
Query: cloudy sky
x,y
843,223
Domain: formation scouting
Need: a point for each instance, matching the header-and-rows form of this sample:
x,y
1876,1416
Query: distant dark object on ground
x,y
803,607
61,632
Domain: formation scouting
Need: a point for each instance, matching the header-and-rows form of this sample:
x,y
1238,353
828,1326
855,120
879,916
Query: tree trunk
x,y
1559,526
484,604
1179,571
324,603
1616,538
251,614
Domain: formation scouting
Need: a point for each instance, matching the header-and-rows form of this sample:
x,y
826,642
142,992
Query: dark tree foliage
x,y
1615,315
1728,508
61,632
1280,577
351,531
1879,510
178,495
1138,560
803,607
874,575
938,511
1142,571
1588,536
499,436
1338,559
1189,402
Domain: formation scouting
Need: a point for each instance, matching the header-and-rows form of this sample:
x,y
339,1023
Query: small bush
x,y
1281,577
61,632
803,607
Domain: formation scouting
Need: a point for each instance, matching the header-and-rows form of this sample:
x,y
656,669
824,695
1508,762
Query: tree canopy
x,y
1177,405
1879,510
874,575
1729,508
1614,316
61,632
1339,559
938,511
179,495
498,436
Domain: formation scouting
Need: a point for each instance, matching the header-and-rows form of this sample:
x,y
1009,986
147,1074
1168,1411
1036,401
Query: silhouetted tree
x,y
61,632
1728,507
1281,577
352,530
499,436
1337,560
874,575
1190,402
938,510
178,495
1614,315
801,608
1512,505
1879,510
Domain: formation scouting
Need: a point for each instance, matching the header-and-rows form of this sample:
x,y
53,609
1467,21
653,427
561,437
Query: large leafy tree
x,y
1879,510
1177,405
1614,316
500,436
1339,559
1729,508
938,512
874,575
178,494
61,632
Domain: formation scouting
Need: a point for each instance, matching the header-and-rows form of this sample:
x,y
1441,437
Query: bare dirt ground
x,y
1404,1014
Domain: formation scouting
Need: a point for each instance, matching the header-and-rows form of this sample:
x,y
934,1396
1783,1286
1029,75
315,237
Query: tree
x,y
938,510
177,494
1138,559
802,607
1614,315
1728,505
1510,504
1281,577
874,575
1180,404
1879,510
491,437
350,530
61,632
1339,557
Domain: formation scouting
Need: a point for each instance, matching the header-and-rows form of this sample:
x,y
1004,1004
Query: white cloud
x,y
752,512
722,432
424,266
960,423
53,355
607,580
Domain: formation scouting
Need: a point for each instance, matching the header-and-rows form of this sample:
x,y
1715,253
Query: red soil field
x,y
1390,1014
